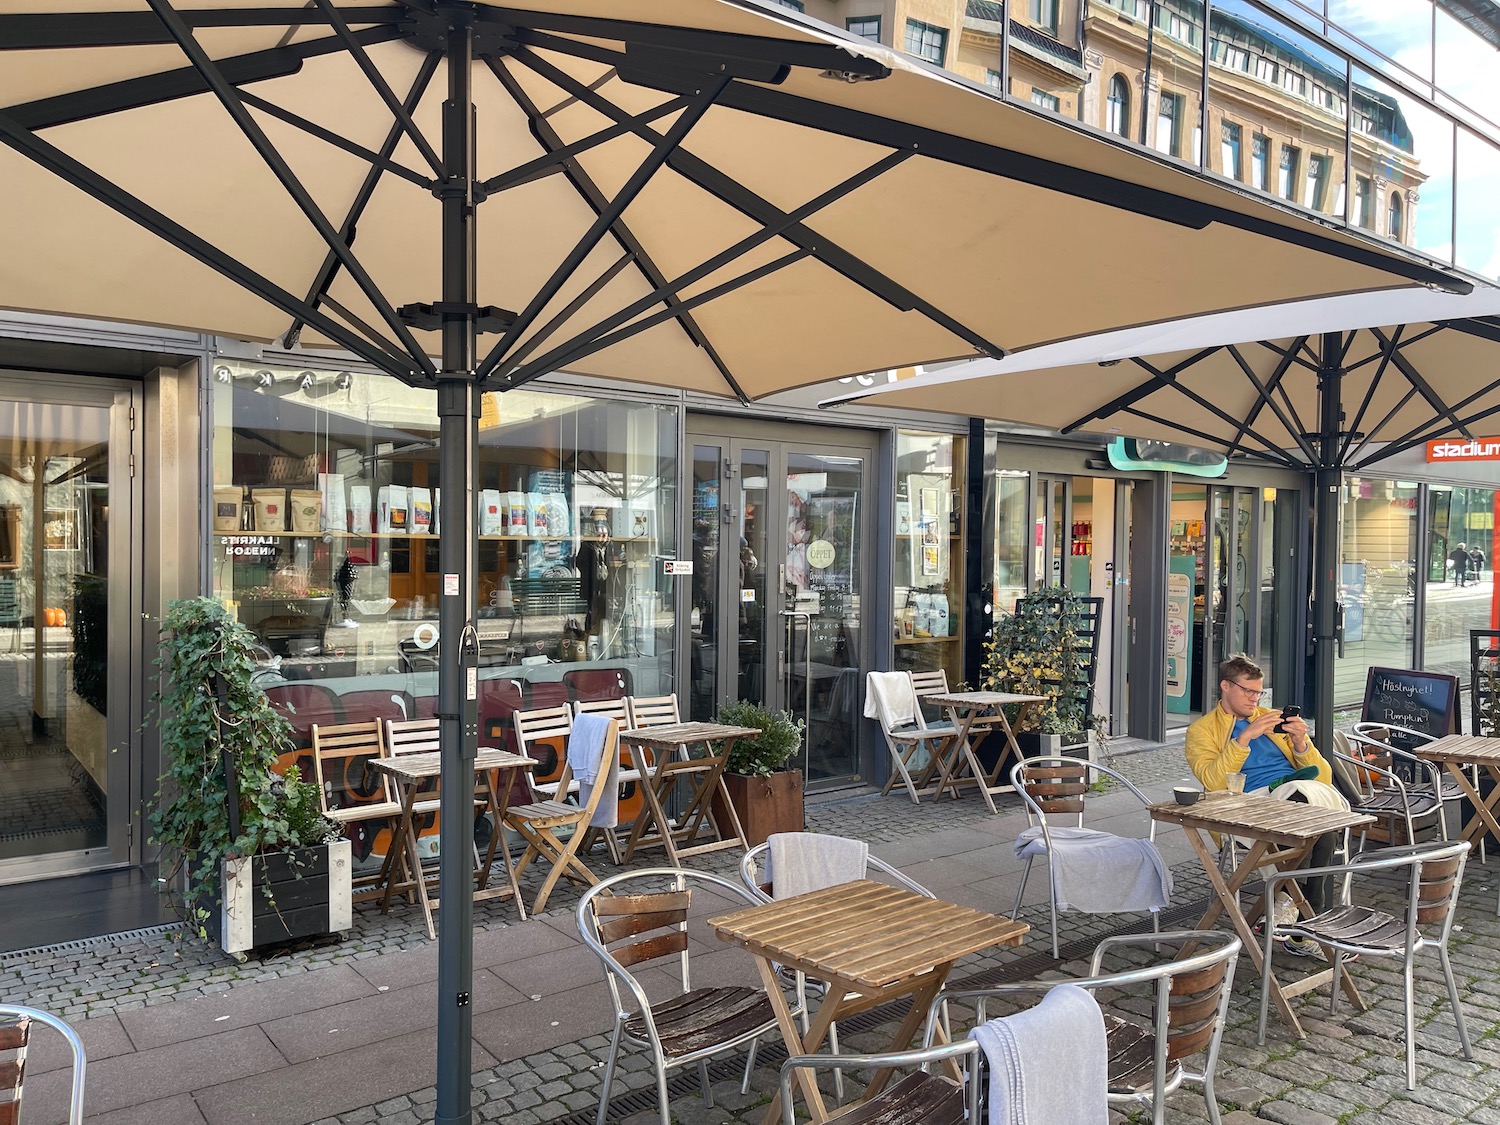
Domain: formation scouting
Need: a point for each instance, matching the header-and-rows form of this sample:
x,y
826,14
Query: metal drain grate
x,y
685,1082
88,943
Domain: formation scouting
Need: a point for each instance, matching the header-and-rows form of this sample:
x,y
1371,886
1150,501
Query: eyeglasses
x,y
1251,693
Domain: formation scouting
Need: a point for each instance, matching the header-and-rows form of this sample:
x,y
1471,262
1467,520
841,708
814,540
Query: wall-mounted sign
x,y
676,566
1460,449
820,554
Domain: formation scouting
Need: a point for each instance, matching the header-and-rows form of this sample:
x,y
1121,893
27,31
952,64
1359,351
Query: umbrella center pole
x,y
458,403
1328,482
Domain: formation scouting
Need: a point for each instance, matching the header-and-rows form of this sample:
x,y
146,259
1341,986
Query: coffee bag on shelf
x,y
335,509
229,502
359,509
307,510
491,512
421,511
270,508
393,512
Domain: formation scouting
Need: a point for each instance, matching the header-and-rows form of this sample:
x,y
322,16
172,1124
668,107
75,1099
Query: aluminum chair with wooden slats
x,y
1054,787
921,1098
351,794
1189,1000
539,822
17,1025
1433,874
1373,787
1426,777
628,920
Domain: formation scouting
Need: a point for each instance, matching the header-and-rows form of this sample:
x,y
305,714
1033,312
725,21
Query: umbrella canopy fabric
x,y
780,205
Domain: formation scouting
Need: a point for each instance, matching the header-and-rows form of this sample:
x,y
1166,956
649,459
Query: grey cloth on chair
x,y
1049,1065
893,691
1099,872
799,862
585,748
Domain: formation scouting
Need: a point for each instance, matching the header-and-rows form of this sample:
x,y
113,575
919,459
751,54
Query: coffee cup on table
x,y
1186,794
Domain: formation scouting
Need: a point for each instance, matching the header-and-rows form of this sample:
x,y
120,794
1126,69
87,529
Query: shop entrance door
x,y
780,534
67,679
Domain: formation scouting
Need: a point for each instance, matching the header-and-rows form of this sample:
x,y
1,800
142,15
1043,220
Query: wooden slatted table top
x,y
980,698
869,934
415,767
1462,748
1260,817
675,734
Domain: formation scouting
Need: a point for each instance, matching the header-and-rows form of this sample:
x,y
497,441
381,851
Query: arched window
x,y
1393,217
1119,106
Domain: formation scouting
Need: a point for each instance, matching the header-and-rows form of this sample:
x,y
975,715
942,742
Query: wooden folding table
x,y
975,713
673,762
871,943
1454,751
409,771
1282,833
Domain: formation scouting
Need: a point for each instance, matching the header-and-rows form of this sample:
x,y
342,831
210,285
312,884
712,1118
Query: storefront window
x,y
928,563
1012,530
1458,593
326,514
1378,581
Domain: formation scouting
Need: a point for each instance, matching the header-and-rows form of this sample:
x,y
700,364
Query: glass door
x,y
780,531
65,677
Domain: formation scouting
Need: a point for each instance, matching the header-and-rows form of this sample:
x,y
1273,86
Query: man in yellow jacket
x,y
1239,736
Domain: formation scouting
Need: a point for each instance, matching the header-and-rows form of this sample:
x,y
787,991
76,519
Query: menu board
x,y
1420,701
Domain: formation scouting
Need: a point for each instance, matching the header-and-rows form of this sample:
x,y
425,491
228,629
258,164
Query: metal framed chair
x,y
1433,873
1383,737
921,1098
638,917
1054,788
1381,792
1189,998
753,874
15,1036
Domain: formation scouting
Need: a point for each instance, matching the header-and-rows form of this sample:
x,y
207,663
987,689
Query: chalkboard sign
x,y
1404,697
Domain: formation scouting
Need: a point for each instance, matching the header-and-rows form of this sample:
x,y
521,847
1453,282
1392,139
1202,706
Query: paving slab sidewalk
x,y
344,1033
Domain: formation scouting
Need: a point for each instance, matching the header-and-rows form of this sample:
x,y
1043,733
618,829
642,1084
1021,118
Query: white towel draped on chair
x,y
585,747
1049,1065
800,862
894,690
1099,872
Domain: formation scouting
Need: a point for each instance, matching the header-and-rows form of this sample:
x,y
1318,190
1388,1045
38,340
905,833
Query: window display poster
x,y
1179,632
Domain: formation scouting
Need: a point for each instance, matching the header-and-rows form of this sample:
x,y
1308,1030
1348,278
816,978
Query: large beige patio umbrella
x,y
709,194
1319,401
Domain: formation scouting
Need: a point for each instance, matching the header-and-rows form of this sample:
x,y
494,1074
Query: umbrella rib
x,y
556,160
1424,388
605,219
706,177
166,86
589,189
1267,392
585,342
1158,380
228,96
64,30
1272,452
382,87
1414,439
72,171
360,325
255,101
1282,367
1171,383
1384,356
588,293
330,265
587,346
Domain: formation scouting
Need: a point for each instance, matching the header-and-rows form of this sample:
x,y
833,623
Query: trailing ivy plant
x,y
777,744
203,647
1038,650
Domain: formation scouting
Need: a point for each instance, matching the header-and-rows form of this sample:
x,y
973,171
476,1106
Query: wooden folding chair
x,y
353,795
906,741
539,822
631,776
654,710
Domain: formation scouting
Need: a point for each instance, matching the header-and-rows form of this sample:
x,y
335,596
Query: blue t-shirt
x,y
1265,763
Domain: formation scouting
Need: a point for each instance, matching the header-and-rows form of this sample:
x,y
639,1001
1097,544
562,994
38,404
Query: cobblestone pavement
x,y
1349,1069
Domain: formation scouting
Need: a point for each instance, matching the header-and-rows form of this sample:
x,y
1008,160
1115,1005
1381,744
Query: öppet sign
x,y
1460,449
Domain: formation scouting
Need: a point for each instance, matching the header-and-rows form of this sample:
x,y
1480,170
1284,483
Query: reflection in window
x,y
1286,180
1401,32
1478,179
1119,106
1409,154
866,27
1465,66
926,41
1260,165
1317,182
1393,216
1363,213
1229,146
992,78
1169,125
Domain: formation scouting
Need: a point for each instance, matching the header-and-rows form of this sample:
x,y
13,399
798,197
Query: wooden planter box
x,y
282,896
766,804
